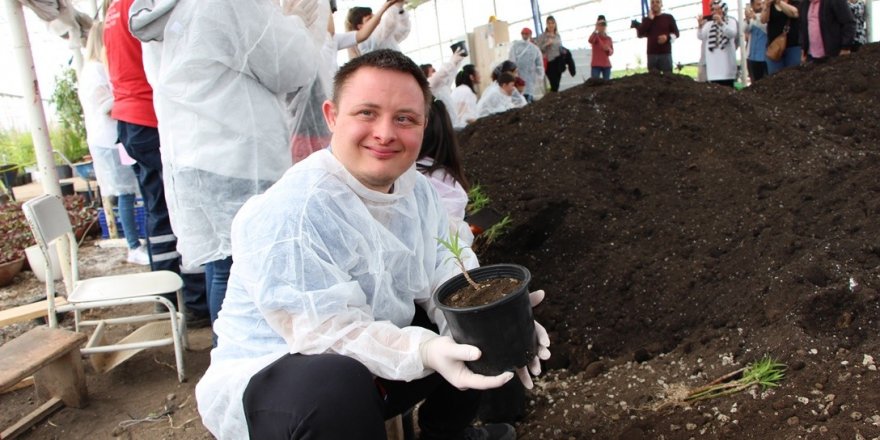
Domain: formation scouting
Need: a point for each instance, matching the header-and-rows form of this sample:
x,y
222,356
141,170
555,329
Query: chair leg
x,y
182,315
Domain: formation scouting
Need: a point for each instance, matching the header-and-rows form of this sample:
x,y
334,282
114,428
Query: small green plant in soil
x,y
477,199
474,294
497,230
766,373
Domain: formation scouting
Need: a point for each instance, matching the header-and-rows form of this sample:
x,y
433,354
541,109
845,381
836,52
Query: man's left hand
x,y
845,51
534,366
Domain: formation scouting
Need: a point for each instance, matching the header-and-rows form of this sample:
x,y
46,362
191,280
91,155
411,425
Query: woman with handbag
x,y
550,44
783,34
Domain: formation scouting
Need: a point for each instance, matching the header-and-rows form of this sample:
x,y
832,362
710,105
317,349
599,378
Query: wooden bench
x,y
52,356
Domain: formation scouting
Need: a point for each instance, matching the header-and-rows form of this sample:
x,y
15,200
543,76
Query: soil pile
x,y
691,229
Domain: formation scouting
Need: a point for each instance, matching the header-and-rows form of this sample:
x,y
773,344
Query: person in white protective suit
x,y
497,98
333,265
351,38
529,61
441,82
464,96
390,32
440,161
234,85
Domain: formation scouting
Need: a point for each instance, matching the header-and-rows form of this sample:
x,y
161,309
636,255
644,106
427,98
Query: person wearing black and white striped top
x,y
719,35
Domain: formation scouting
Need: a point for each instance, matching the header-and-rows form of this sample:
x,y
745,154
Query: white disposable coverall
x,y
441,84
529,63
97,100
454,199
325,265
493,101
465,102
391,31
228,71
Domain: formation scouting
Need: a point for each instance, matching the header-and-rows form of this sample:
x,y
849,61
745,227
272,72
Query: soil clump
x,y
490,291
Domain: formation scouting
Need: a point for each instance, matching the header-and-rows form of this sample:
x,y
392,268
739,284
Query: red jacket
x,y
132,94
603,47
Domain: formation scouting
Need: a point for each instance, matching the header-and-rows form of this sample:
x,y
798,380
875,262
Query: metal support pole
x,y
21,48
743,56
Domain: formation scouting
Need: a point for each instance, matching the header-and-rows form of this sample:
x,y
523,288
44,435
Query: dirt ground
x,y
142,387
681,230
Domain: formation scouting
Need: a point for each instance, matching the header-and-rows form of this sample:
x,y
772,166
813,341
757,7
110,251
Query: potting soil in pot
x,y
489,292
682,230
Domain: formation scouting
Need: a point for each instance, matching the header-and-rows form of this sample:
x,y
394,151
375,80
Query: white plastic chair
x,y
49,222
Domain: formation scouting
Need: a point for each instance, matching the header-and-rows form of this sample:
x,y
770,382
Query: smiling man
x,y
319,335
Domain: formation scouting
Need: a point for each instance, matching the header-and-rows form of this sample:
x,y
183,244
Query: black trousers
x,y
142,144
555,68
757,70
331,396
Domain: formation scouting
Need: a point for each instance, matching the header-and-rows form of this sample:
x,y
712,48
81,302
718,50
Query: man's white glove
x,y
447,358
307,10
534,366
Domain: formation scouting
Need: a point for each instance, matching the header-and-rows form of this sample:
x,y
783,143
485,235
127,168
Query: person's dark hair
x,y
385,59
464,76
441,144
425,68
505,78
356,16
506,66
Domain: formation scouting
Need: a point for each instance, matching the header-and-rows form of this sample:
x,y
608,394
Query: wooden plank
x,y
32,419
33,350
28,312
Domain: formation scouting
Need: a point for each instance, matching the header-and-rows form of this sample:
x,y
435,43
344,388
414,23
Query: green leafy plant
x,y
456,248
16,147
68,143
766,373
67,105
477,199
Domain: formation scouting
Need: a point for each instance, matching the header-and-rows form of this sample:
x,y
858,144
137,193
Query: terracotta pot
x,y
9,270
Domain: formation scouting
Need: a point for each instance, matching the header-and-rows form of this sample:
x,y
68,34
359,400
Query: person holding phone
x,y
602,48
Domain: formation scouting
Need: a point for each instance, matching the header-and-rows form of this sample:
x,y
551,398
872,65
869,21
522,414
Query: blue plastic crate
x,y
140,219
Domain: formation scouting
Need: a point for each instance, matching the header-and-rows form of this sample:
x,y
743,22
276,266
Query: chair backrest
x,y
49,223
47,218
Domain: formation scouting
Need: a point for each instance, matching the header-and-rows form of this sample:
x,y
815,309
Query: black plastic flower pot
x,y
504,330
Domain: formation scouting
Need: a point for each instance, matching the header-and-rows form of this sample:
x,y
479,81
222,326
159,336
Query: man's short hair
x,y
355,17
383,59
506,78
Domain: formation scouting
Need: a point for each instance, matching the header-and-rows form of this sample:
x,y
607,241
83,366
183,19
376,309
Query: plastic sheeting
x,y
324,264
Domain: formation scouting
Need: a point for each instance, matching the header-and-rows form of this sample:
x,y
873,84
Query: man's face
x,y
431,72
757,6
377,125
656,6
507,88
526,35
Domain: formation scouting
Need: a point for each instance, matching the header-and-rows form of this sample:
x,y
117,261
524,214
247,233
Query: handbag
x,y
776,48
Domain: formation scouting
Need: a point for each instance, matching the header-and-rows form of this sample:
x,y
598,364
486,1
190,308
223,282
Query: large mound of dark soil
x,y
693,229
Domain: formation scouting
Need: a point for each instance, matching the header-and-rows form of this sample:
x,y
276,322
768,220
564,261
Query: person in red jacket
x,y
661,30
603,48
139,135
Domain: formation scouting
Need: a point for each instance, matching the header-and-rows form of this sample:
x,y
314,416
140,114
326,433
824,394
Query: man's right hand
x,y
662,39
447,358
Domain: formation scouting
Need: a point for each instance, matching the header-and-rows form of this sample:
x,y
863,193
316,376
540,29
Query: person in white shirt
x,y
530,62
440,161
464,96
497,99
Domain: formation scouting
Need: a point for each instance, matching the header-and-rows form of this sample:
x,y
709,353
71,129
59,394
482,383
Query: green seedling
x,y
498,229
765,373
477,199
456,248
